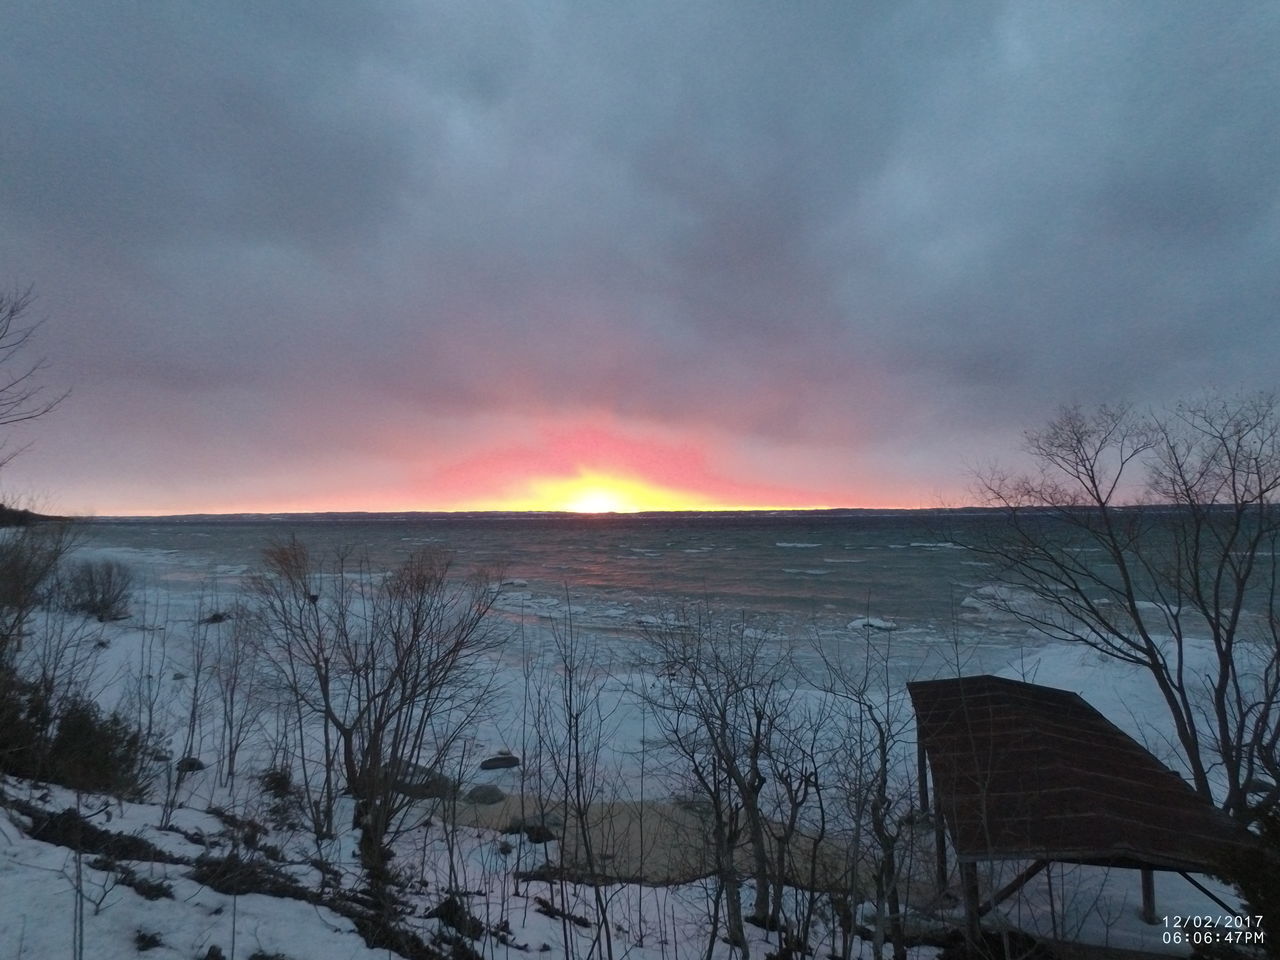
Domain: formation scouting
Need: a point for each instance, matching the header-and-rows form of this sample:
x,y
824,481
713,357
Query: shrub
x,y
29,559
147,888
452,912
78,747
287,804
25,723
95,753
1256,874
145,940
277,783
98,588
71,829
234,875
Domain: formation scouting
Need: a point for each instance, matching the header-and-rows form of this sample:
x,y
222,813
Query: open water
x,y
833,575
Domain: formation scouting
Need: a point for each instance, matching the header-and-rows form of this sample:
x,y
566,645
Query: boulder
x,y
539,833
424,783
536,829
485,794
503,760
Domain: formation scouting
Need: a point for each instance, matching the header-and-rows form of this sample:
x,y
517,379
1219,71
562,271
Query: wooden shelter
x,y
1027,772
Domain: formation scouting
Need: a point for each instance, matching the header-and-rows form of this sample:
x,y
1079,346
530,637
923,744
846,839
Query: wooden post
x,y
939,835
939,842
922,774
1148,895
969,885
1012,887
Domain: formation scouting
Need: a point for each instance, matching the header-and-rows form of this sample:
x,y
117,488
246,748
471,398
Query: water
x,y
800,574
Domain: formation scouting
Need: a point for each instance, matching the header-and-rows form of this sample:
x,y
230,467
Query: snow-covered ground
x,y
148,658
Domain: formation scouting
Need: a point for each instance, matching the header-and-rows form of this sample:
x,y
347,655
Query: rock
x,y
539,833
424,783
537,829
189,765
503,760
870,623
453,913
699,808
485,794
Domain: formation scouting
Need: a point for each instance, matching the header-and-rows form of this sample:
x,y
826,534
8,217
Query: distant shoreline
x,y
17,517
533,516
394,516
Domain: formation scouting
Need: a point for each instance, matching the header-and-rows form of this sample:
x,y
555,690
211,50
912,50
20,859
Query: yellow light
x,y
592,492
599,501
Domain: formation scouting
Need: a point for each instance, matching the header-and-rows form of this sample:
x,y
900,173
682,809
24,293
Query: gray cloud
x,y
859,224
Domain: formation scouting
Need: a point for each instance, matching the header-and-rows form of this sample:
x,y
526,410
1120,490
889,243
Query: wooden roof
x,y
1024,771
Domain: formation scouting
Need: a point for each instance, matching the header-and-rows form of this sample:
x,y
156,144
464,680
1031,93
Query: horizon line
x,y
533,514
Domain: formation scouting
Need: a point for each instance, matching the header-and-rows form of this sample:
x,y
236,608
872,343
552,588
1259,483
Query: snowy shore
x,y
660,913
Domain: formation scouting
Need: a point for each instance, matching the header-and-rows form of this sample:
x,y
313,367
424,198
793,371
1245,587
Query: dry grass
x,y
647,842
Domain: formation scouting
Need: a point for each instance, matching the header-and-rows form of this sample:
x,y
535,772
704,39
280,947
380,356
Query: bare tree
x,y
192,692
238,677
22,398
29,559
796,817
389,666
574,721
100,589
28,556
722,698
871,776
1152,538
61,655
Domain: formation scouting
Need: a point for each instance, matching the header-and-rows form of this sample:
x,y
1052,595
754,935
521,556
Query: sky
x,y
588,255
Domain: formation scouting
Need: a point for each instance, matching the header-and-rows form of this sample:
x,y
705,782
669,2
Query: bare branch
x,y
1152,538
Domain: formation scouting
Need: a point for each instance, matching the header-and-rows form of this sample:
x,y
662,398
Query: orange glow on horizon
x,y
593,491
599,466
593,466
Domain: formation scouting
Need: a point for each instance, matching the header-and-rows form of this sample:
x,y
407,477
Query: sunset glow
x,y
593,491
602,464
456,260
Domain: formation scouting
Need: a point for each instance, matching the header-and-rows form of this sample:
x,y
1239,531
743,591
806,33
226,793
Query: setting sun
x,y
601,467
593,492
599,501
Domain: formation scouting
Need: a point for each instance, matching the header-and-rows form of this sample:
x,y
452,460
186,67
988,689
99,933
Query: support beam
x,y
922,775
939,843
939,834
969,887
1012,887
1209,893
1148,896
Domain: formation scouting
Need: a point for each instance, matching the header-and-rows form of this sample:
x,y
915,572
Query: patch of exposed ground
x,y
650,842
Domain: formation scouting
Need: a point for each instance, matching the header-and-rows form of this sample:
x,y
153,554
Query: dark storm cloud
x,y
1094,204
834,222
173,123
